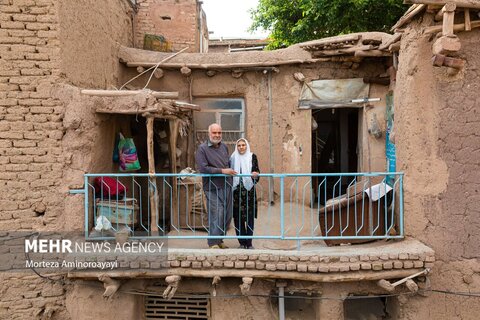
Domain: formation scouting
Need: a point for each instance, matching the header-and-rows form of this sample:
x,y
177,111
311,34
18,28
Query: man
x,y
213,158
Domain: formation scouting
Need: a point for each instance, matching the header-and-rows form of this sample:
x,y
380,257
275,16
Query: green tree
x,y
294,21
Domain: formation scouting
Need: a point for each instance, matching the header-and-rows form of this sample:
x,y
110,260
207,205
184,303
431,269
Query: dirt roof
x,y
339,48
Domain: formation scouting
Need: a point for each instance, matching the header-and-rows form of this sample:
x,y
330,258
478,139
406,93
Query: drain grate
x,y
180,307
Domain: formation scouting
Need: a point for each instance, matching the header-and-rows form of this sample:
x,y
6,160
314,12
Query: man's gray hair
x,y
211,126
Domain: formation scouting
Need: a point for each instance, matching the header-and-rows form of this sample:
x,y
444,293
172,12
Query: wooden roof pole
x,y
473,4
173,128
116,93
448,17
468,23
153,193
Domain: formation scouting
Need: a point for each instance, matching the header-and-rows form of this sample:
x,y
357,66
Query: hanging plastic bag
x,y
102,224
128,154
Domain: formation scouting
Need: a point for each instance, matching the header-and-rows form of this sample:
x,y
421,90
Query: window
x,y
228,112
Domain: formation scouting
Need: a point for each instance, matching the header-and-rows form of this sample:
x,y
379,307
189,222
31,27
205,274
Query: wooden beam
x,y
173,126
207,66
394,47
231,273
186,106
151,170
158,73
330,40
456,27
173,130
409,16
468,23
377,80
385,45
449,7
474,4
139,111
117,93
372,53
448,19
336,52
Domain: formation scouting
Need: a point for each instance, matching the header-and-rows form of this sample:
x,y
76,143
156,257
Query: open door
x,y
334,145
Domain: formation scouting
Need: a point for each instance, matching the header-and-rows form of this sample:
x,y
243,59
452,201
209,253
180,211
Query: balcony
x,y
295,211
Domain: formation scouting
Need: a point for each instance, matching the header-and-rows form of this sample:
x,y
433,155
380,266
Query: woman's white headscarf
x,y
242,163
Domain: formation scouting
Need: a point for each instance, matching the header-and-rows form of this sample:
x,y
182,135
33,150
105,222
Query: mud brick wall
x,y
176,20
30,144
437,120
30,119
38,55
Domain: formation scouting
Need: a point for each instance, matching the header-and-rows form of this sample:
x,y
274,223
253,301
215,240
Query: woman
x,y
244,197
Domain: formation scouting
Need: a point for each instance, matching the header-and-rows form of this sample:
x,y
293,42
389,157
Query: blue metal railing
x,y
346,207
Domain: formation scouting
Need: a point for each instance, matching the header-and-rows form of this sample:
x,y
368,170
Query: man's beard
x,y
215,140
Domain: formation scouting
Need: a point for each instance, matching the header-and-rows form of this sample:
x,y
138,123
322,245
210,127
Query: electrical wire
x,y
312,297
153,293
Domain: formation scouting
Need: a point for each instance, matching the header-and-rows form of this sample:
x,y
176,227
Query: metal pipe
x,y
365,100
270,136
281,303
257,48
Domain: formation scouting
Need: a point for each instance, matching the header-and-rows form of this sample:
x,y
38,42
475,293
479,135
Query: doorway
x,y
334,147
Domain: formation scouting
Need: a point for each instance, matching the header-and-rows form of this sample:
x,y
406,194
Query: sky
x,y
230,18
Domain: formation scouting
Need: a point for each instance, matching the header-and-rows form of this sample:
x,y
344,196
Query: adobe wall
x,y
90,33
319,300
291,127
176,20
45,44
437,123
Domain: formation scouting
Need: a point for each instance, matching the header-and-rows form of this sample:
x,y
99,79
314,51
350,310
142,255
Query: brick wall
x,y
30,144
38,55
30,120
176,20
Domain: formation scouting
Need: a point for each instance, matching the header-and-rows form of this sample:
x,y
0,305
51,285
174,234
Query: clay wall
x,y
43,45
305,300
438,120
291,129
182,23
90,33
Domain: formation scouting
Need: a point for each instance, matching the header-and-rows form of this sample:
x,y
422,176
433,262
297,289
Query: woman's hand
x,y
255,174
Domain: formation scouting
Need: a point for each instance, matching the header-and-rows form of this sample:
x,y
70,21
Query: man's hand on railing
x,y
255,174
229,171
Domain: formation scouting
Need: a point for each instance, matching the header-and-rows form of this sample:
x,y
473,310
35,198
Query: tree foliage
x,y
293,21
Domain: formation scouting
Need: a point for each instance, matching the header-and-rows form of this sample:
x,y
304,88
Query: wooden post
x,y
448,18
468,23
151,170
173,127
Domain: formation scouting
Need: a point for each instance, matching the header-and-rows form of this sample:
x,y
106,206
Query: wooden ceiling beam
x,y
474,4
